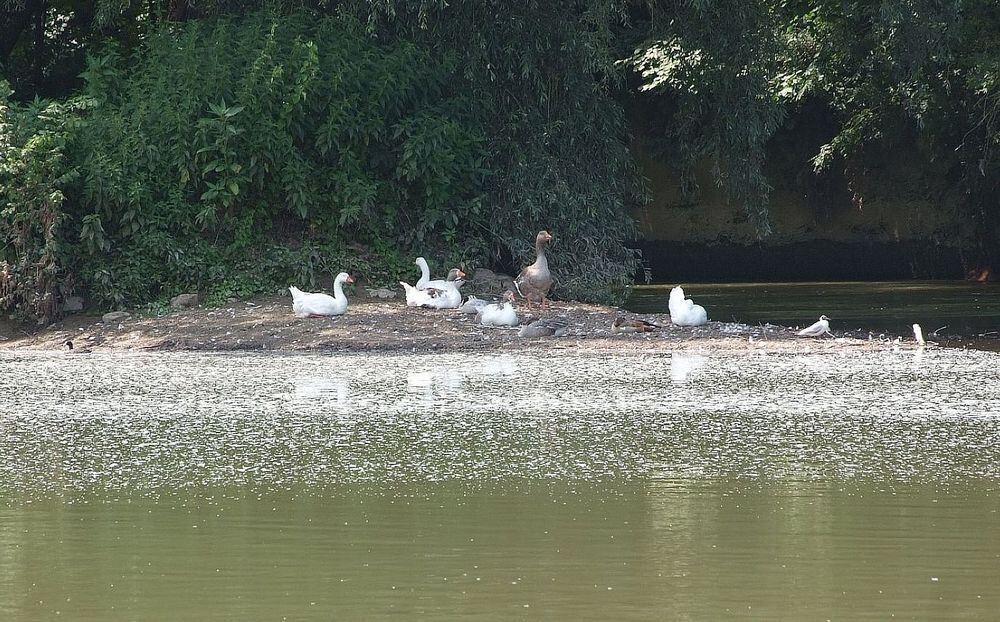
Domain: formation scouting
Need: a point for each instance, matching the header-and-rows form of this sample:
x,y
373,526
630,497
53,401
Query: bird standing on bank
x,y
535,281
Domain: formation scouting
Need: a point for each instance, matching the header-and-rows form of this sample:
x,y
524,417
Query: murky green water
x,y
953,307
217,487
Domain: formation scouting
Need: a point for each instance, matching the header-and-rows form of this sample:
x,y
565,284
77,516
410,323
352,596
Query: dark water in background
x,y
955,308
856,486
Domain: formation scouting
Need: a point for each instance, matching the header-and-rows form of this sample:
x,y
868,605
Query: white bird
x,y
425,273
683,312
306,304
820,328
499,314
414,297
437,294
918,334
413,292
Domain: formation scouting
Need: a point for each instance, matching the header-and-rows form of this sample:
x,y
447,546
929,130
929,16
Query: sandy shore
x,y
389,326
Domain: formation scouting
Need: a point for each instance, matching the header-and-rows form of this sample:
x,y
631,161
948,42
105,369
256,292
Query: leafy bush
x,y
234,155
35,174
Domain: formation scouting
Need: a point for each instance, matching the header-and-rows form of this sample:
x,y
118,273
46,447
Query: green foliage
x,y
224,137
913,75
715,61
542,78
34,176
236,155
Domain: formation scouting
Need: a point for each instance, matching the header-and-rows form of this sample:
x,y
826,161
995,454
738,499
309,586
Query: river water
x,y
497,487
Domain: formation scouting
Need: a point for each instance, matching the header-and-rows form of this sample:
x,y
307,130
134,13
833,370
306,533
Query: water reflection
x,y
196,486
328,390
145,423
682,365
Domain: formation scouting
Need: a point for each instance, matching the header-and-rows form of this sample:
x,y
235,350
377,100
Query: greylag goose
x,y
535,281
306,304
621,325
544,327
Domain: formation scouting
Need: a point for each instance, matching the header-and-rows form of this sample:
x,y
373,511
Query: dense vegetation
x,y
230,146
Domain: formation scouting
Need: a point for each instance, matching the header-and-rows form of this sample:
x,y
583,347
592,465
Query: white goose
x,y
415,293
445,294
306,304
683,311
499,314
436,294
425,273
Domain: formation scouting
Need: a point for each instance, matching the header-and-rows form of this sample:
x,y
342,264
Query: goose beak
x,y
461,274
349,279
548,236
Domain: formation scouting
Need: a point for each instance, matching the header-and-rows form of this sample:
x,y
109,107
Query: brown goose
x,y
535,281
621,325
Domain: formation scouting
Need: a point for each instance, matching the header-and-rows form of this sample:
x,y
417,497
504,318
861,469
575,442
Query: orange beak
x,y
461,274
350,279
548,236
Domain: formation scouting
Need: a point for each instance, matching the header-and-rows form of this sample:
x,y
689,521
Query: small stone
x,y
73,304
381,292
115,316
182,301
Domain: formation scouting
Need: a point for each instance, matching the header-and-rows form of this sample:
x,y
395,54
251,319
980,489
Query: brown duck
x,y
621,325
535,281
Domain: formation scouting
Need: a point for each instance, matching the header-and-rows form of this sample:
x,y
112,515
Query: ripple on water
x,y
144,423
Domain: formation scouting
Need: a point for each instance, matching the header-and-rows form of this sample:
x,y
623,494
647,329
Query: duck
x,y
683,311
544,327
535,281
621,325
473,305
437,294
818,329
71,350
499,314
307,304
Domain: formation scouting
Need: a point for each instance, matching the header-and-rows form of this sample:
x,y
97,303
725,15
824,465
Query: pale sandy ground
x,y
389,326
